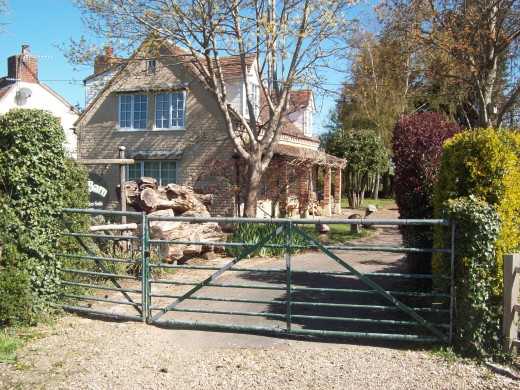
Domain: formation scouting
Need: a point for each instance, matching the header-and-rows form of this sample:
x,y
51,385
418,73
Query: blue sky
x,y
46,24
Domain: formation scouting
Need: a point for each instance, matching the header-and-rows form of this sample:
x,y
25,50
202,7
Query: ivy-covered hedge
x,y
477,310
35,178
482,165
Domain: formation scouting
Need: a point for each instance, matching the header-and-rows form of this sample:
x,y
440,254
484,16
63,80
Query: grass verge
x,y
339,233
9,344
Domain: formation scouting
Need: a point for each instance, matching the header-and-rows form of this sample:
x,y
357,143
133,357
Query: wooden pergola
x,y
332,167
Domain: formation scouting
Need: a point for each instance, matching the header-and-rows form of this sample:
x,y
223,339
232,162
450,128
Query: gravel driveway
x,y
81,353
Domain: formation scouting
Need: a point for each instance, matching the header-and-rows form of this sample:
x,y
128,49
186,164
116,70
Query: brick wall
x,y
23,67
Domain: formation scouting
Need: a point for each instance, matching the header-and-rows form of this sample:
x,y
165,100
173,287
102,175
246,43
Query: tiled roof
x,y
231,65
318,157
300,98
291,130
4,89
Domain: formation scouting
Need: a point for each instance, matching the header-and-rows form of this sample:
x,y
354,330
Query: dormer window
x,y
151,66
307,122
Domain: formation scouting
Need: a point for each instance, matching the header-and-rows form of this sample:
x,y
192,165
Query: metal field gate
x,y
279,278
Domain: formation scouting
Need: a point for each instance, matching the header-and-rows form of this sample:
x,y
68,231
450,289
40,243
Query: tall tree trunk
x,y
375,186
253,180
349,188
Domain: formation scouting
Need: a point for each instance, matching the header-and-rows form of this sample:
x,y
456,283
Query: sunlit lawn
x,y
379,203
339,233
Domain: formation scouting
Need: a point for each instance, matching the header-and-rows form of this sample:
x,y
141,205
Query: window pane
x,y
165,172
168,172
134,171
162,111
151,169
169,110
125,110
256,99
178,109
150,66
140,108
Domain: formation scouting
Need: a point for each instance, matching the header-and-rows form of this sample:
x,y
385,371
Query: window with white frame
x,y
255,100
164,171
151,66
307,122
133,111
170,109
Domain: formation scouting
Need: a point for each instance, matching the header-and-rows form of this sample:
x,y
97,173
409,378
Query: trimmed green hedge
x,y
477,185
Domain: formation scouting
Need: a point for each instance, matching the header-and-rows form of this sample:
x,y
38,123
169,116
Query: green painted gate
x,y
356,290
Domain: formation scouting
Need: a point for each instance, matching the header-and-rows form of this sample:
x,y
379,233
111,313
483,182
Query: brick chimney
x,y
106,61
23,67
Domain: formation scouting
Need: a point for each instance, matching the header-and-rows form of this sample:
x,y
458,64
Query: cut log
x,y
165,226
176,200
182,200
156,233
148,199
148,182
131,188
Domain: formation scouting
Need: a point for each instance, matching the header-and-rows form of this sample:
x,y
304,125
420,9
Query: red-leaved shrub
x,y
417,144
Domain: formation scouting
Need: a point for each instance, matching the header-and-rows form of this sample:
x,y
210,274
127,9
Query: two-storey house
x,y
157,109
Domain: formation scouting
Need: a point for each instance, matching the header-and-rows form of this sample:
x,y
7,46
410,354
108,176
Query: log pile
x,y
174,200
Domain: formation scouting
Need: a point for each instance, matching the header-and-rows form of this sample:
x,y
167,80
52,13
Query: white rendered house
x,y
22,89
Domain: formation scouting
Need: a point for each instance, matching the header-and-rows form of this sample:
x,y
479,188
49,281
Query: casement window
x,y
165,171
133,110
170,110
307,122
151,66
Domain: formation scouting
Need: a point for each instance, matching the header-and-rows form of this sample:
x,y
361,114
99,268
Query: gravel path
x,y
84,353
80,353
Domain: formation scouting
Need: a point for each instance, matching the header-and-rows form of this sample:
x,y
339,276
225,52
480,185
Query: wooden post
x,y
511,285
122,181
